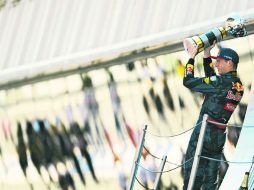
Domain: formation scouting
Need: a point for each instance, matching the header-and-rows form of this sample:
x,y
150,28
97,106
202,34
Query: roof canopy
x,y
39,37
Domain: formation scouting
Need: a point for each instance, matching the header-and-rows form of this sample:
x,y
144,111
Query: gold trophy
x,y
234,27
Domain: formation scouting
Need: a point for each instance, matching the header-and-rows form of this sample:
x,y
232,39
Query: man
x,y
222,93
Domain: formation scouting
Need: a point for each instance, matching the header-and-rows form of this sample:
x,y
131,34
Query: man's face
x,y
223,66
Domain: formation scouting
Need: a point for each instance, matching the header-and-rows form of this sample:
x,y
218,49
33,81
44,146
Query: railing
x,y
196,158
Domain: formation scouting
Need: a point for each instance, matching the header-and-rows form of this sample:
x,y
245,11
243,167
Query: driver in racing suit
x,y
222,93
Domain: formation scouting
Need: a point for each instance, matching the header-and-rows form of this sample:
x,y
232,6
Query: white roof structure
x,y
38,37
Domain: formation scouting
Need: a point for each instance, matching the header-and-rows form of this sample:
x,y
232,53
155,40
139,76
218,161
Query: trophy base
x,y
189,42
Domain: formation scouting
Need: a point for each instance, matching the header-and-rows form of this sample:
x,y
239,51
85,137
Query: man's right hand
x,y
192,50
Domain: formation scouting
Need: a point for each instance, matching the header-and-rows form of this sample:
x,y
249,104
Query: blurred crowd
x,y
58,148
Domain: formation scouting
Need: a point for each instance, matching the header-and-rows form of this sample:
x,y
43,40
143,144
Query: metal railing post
x,y
197,153
137,159
158,177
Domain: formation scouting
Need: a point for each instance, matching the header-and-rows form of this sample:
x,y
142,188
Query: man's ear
x,y
231,63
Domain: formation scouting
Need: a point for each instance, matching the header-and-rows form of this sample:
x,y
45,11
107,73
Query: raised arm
x,y
204,85
208,65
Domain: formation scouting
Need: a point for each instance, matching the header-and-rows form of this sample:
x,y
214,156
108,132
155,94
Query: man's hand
x,y
191,49
207,51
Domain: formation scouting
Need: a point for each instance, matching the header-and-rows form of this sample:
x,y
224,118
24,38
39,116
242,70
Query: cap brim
x,y
213,57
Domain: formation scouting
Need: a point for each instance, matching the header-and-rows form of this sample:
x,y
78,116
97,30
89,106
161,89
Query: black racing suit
x,y
222,95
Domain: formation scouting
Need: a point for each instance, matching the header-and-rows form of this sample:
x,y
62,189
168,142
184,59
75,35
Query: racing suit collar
x,y
230,73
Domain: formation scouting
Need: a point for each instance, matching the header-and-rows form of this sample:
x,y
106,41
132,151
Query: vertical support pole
x,y
158,177
245,182
197,153
137,159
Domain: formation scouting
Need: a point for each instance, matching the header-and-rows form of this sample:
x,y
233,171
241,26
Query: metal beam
x,y
130,57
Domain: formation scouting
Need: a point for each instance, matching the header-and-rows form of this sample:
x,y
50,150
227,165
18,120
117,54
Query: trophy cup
x,y
234,27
